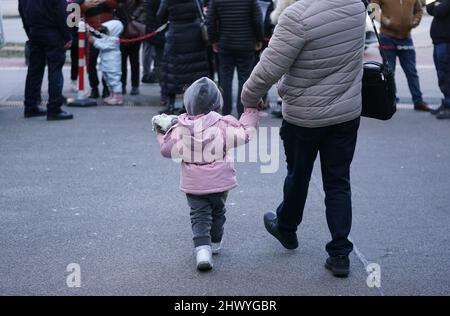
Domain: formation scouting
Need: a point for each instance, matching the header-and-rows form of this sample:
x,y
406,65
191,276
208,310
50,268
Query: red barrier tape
x,y
137,39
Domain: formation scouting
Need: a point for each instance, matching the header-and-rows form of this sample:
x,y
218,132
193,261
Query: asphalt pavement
x,y
96,192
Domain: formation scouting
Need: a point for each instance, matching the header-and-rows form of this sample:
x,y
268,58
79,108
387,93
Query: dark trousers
x,y
405,51
442,63
336,145
92,70
74,60
152,55
131,51
207,217
243,61
42,53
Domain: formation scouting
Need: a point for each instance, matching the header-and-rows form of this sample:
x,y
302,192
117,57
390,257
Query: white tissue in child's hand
x,y
164,122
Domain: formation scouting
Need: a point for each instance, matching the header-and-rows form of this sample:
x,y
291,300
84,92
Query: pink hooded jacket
x,y
202,143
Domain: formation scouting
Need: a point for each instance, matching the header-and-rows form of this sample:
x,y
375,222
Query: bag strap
x,y
383,55
202,16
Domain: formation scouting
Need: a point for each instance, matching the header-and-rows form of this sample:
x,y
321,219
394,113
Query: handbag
x,y
203,26
135,28
379,99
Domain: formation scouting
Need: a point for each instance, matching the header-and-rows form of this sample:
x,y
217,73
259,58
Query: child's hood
x,y
114,27
200,129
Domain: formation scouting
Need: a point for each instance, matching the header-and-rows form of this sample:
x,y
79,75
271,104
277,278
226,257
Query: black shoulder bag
x,y
203,26
378,87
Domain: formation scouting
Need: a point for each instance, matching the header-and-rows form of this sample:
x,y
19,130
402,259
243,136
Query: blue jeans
x,y
54,56
403,49
442,62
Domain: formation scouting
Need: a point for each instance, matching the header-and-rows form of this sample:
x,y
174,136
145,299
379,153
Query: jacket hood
x,y
114,27
199,130
202,97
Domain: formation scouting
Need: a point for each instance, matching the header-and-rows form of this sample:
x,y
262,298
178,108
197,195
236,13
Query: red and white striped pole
x,y
81,58
82,100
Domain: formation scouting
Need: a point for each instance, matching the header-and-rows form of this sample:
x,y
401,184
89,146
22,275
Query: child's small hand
x,y
91,40
162,123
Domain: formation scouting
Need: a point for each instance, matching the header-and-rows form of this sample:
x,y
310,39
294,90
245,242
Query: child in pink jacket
x,y
201,139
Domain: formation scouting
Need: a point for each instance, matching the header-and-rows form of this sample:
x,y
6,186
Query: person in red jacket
x,y
96,12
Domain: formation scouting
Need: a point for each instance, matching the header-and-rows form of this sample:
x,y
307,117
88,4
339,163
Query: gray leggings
x,y
207,217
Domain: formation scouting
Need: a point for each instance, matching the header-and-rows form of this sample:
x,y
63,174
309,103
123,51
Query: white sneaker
x,y
74,86
203,255
216,247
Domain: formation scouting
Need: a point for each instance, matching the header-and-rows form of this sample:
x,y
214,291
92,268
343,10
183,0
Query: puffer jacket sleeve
x,y
211,21
286,44
238,133
105,44
418,13
258,23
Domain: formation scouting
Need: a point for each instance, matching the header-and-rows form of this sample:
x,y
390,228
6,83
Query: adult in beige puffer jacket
x,y
316,54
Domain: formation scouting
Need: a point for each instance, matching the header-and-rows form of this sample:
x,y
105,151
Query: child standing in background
x,y
201,139
111,59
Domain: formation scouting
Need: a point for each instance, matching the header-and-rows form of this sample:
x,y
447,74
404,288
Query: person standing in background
x,y
153,48
131,10
95,13
185,57
44,22
235,30
398,18
440,34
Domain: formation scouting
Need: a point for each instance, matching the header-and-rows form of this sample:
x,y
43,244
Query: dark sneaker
x,y
34,112
438,109
134,91
105,93
61,116
422,106
94,94
288,240
444,113
339,266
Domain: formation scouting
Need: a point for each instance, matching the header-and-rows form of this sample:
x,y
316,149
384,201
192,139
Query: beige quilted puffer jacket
x,y
316,56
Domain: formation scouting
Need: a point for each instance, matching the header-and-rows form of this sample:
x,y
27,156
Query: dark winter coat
x,y
45,20
235,24
151,8
131,10
440,28
185,57
99,14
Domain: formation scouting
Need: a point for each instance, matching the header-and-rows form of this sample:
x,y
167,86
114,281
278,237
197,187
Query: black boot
x,y
169,110
94,93
438,109
106,92
134,91
59,116
444,113
34,112
288,240
339,266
